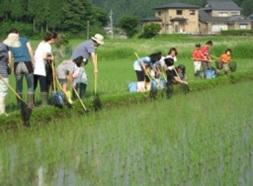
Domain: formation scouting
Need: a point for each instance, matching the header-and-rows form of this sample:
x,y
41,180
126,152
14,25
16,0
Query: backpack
x,y
210,74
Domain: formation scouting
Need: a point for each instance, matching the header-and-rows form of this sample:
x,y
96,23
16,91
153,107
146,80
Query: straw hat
x,y
98,38
12,40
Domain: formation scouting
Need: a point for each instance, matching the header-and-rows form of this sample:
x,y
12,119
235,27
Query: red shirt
x,y
205,52
197,55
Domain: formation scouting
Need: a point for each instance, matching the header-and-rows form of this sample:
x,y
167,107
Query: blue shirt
x,y
145,61
21,54
84,49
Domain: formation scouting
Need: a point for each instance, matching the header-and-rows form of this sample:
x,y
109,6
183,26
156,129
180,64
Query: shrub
x,y
237,32
150,30
129,24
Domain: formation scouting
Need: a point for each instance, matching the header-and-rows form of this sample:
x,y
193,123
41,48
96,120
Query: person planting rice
x,y
81,81
173,76
4,60
142,68
42,66
87,50
172,54
67,71
197,57
225,61
205,63
22,53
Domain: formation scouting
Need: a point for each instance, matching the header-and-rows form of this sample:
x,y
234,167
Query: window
x,y
192,12
179,12
159,13
235,13
223,14
243,26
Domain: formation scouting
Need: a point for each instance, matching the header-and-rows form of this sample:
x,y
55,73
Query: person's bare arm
x,y
178,79
30,50
9,58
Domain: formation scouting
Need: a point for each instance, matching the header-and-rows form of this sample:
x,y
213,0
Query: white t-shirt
x,y
40,63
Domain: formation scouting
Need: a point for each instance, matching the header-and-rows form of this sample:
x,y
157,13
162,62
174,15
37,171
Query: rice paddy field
x,y
203,138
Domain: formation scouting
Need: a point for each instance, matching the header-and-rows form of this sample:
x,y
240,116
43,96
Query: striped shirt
x,y
3,60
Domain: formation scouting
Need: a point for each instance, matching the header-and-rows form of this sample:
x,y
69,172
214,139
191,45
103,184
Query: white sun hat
x,y
98,38
12,40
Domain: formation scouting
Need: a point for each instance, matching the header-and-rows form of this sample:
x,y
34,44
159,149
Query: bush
x,y
129,24
150,30
237,32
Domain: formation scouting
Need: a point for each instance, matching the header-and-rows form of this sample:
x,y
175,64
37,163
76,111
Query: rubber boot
x,y
30,100
19,102
44,98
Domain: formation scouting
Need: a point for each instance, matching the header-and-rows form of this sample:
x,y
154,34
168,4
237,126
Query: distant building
x,y
185,18
176,18
220,15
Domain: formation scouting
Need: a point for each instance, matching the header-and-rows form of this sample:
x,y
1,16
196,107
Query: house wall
x,y
242,26
203,28
191,26
225,13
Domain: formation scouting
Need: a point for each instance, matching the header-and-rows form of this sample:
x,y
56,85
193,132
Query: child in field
x,y
197,57
142,67
67,71
4,60
81,82
173,76
206,55
225,61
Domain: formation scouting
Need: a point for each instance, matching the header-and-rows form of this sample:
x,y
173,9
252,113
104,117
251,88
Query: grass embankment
x,y
42,115
204,138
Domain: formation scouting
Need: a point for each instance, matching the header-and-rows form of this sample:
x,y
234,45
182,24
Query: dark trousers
x,y
42,80
21,70
81,89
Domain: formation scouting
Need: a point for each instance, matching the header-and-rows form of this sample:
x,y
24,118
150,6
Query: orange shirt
x,y
224,58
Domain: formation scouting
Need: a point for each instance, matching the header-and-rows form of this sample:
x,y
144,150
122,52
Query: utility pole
x,y
88,29
111,23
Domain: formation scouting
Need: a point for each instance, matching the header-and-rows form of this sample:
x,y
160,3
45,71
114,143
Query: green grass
x,y
204,138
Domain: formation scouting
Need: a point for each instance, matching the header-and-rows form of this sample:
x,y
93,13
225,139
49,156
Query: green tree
x,y
76,14
129,24
247,6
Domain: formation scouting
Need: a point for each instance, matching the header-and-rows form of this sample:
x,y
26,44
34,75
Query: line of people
x,y
203,58
158,71
17,55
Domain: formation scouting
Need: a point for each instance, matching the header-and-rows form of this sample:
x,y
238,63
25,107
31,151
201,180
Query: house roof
x,y
151,19
222,5
205,17
177,5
